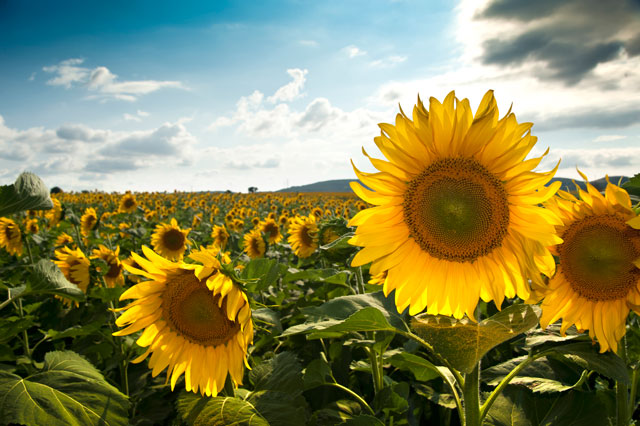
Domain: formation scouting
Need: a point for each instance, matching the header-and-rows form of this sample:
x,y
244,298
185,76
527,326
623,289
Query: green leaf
x,y
281,373
519,407
47,278
338,316
329,275
27,193
317,373
463,343
189,405
12,326
445,400
67,391
261,273
225,411
632,186
586,356
363,420
544,375
267,317
280,408
422,369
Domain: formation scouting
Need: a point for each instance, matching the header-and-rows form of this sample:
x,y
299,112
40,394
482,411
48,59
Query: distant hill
x,y
342,185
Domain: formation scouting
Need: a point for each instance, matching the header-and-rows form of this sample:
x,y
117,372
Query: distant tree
x,y
253,189
56,190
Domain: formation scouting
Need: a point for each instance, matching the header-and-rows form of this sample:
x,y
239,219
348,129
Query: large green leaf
x,y
329,276
422,369
47,278
362,312
226,411
544,375
516,406
27,193
463,343
67,391
261,273
586,356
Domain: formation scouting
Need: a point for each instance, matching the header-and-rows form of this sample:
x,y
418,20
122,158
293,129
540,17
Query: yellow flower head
x,y
303,235
598,279
270,228
169,240
196,321
114,275
456,214
88,221
128,203
10,236
74,265
254,244
220,236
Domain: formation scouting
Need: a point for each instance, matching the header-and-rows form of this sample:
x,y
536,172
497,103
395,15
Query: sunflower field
x,y
455,286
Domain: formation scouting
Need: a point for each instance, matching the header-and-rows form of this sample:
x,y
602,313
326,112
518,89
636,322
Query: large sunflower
x,y
169,240
197,321
303,235
598,279
74,265
10,236
456,216
114,274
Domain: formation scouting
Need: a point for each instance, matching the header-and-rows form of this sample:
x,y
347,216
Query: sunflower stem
x,y
354,395
471,394
25,336
634,389
622,391
360,280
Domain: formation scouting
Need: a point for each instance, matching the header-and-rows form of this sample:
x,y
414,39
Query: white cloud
x,y
103,82
609,138
69,154
353,51
137,117
389,61
291,90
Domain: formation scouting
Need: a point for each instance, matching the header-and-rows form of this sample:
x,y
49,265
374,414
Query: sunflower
x,y
456,214
220,236
169,240
303,235
74,265
54,215
88,221
128,203
197,321
254,244
114,275
10,236
130,261
598,279
63,239
271,229
31,225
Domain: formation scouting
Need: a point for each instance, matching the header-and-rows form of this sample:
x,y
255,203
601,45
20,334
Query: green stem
x,y
360,280
124,365
471,393
622,391
375,370
354,395
9,300
29,250
634,389
505,381
25,336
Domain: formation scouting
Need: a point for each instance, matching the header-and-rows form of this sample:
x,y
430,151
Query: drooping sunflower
x,y
456,214
254,244
197,320
31,226
88,221
64,239
128,203
169,240
271,229
598,278
220,236
303,235
114,275
74,265
10,236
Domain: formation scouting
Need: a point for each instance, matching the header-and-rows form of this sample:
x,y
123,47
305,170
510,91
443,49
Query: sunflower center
x,y
597,255
114,270
173,239
128,203
305,239
456,210
190,308
271,229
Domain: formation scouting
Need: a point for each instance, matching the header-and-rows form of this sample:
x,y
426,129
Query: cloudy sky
x,y
150,96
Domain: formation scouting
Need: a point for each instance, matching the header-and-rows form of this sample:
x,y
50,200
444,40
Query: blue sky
x,y
225,95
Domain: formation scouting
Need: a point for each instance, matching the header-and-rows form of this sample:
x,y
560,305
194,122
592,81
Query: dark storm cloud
x,y
570,37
